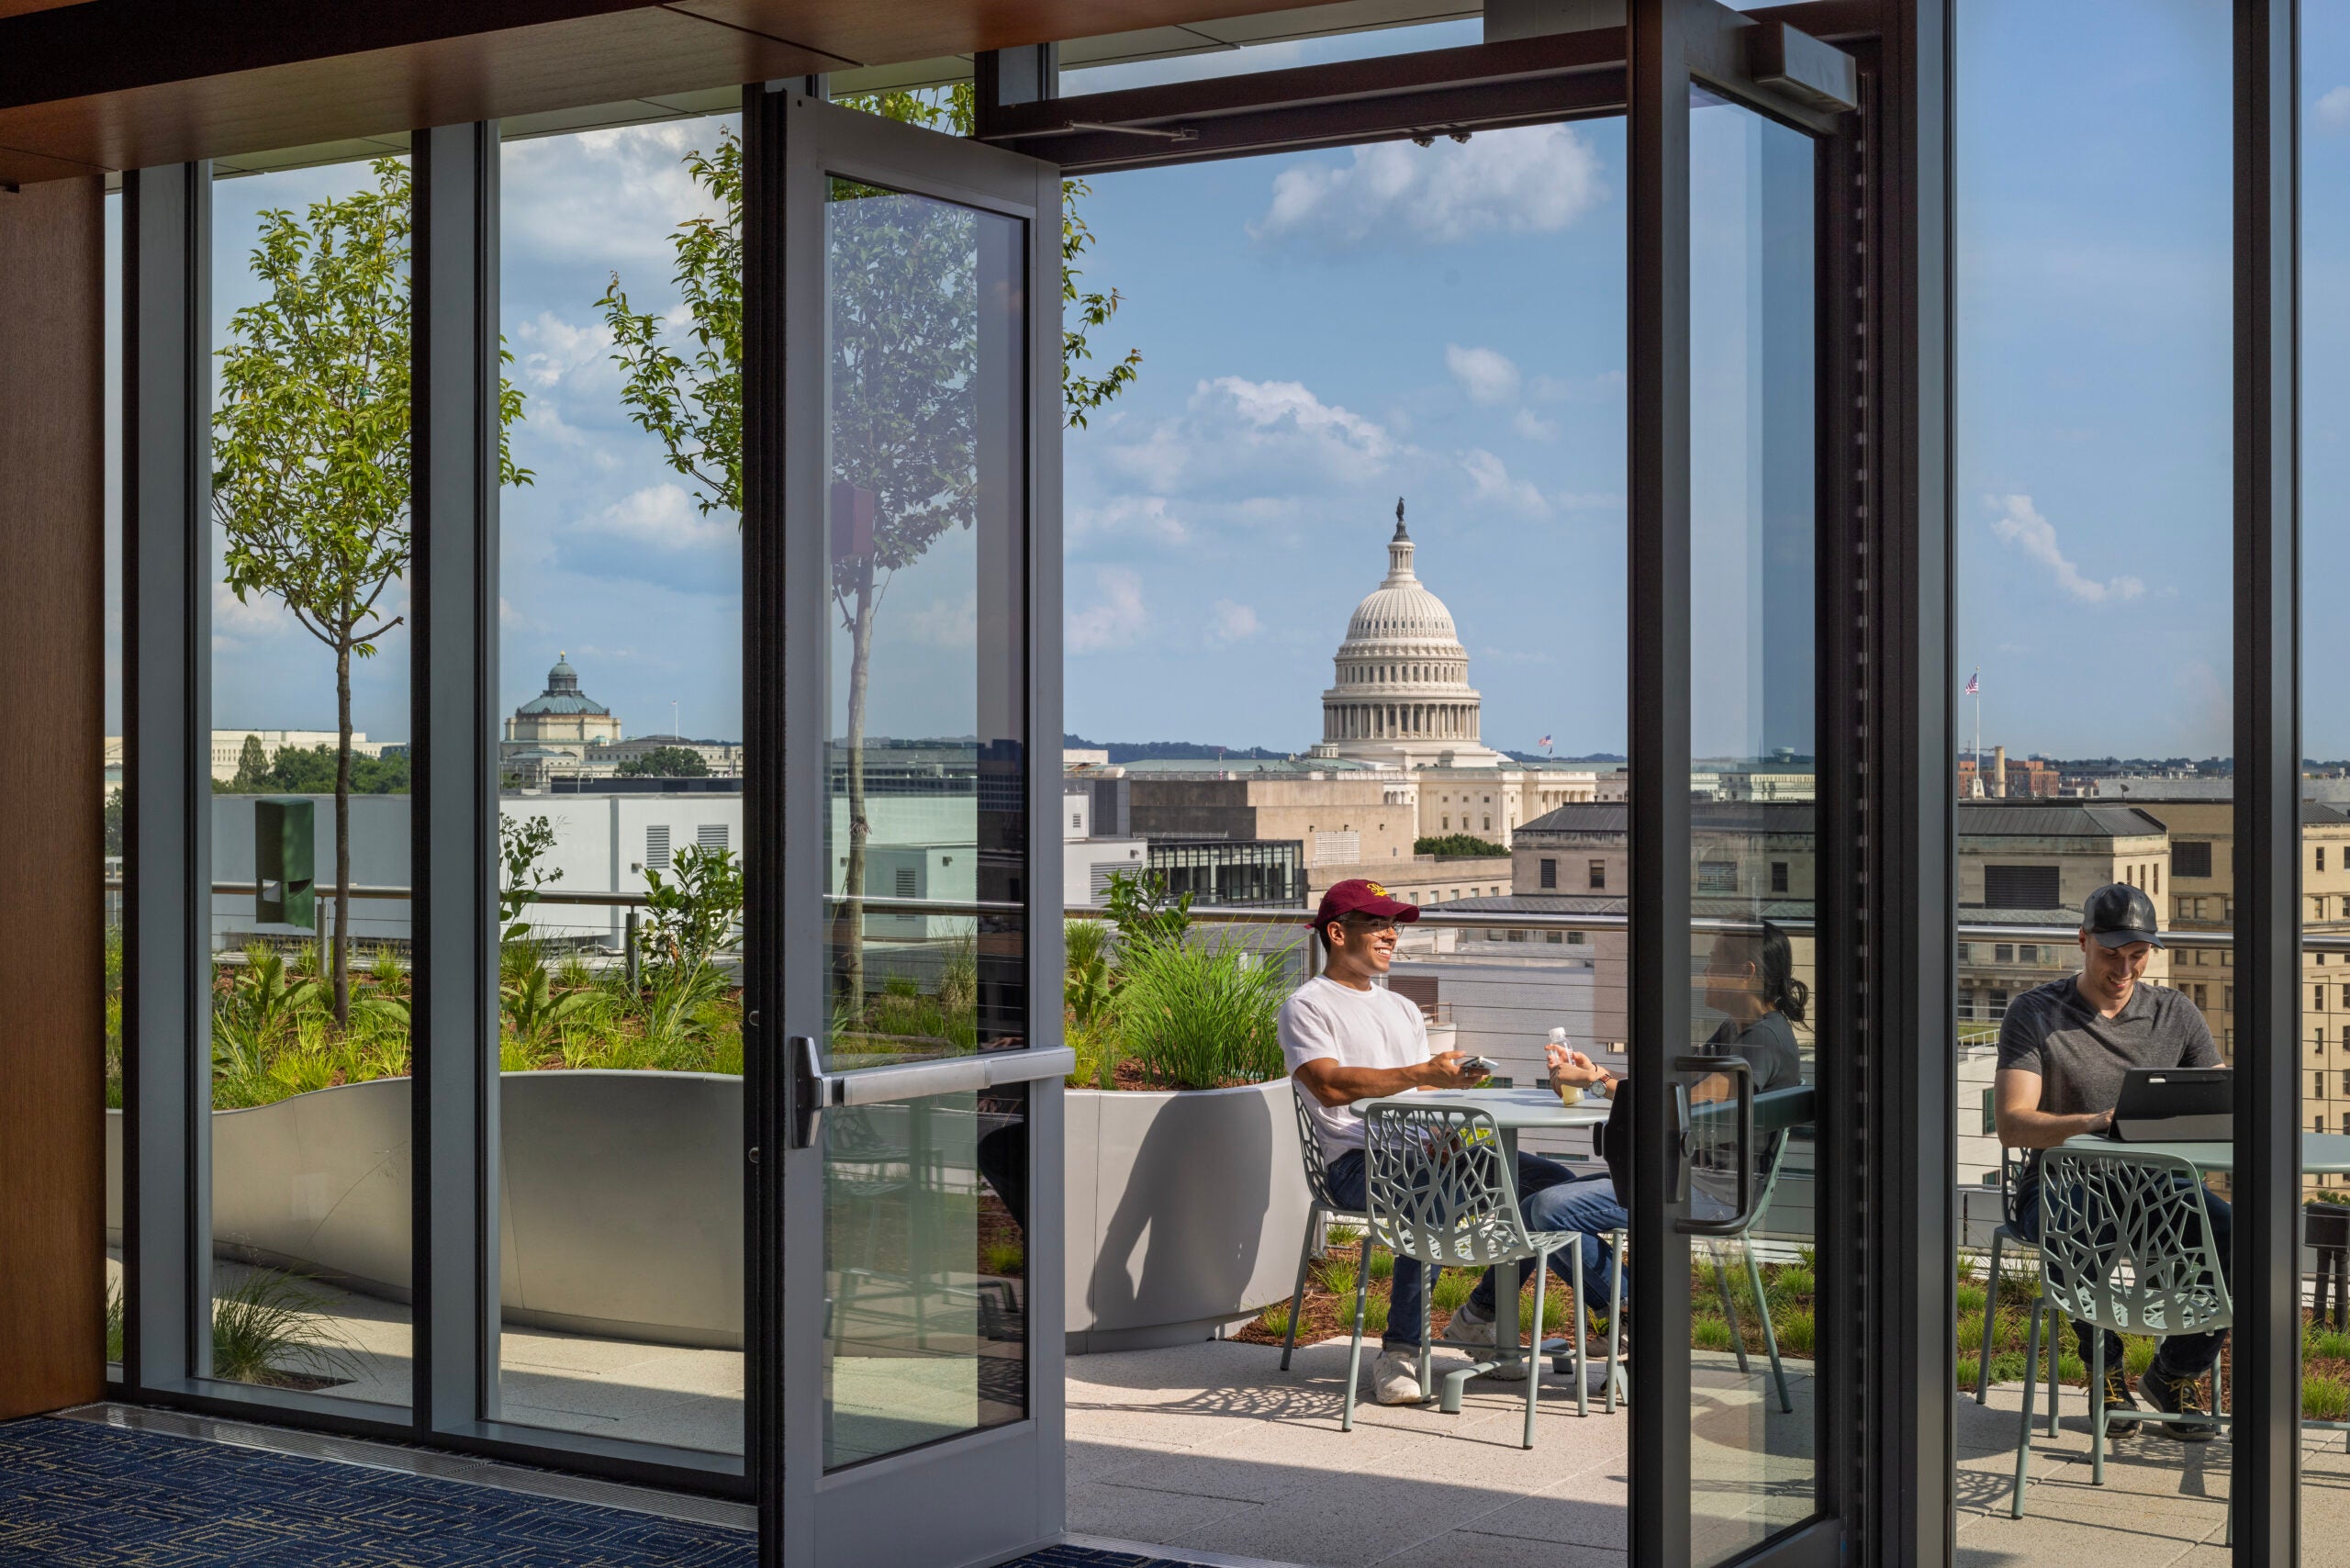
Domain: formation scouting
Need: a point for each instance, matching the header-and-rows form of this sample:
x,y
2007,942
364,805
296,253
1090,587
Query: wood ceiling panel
x,y
126,83
880,32
520,71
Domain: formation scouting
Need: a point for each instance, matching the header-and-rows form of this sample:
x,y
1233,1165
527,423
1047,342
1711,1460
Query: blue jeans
x,y
2183,1356
1536,1176
1554,1198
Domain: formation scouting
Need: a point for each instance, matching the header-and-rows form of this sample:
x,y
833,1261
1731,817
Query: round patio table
x,y
2323,1153
1512,1111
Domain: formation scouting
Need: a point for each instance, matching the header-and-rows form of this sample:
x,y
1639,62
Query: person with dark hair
x,y
1749,979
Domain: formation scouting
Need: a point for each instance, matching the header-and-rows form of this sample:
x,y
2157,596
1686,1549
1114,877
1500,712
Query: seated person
x,y
2064,1048
1749,979
1347,1039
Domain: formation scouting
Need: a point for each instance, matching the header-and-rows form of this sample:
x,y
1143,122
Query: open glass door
x,y
1732,122
916,1364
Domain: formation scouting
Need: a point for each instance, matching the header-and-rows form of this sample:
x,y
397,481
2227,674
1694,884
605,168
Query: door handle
x,y
1739,1073
816,1091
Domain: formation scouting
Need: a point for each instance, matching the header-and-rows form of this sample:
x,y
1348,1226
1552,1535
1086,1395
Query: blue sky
x,y
1324,332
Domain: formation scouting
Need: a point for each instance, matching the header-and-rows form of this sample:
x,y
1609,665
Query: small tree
x,y
253,767
310,447
904,316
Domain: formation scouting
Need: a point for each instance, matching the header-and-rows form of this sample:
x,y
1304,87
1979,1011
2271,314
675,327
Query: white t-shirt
x,y
1354,1028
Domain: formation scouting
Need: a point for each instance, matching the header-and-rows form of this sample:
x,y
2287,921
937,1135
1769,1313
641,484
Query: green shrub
x,y
1453,1287
1003,1259
2137,1355
2329,1346
1968,1269
1345,1235
1374,1316
1795,1329
1338,1275
266,1327
2070,1368
1794,1285
1970,1338
2007,1366
2325,1398
1383,1263
1710,1331
1970,1299
1274,1319
1200,1017
113,1322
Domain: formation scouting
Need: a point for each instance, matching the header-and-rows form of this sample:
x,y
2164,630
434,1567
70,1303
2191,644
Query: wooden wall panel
x,y
53,609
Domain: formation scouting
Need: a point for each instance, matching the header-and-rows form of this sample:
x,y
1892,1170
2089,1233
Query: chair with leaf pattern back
x,y
2125,1246
1442,1190
1323,1208
2014,1166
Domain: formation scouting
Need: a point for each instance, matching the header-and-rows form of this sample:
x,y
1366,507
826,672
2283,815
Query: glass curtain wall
x,y
619,1200
308,937
1753,515
2326,732
111,781
2094,522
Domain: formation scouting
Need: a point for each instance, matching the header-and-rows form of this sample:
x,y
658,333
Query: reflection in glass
x,y
925,837
1753,847
309,934
617,1205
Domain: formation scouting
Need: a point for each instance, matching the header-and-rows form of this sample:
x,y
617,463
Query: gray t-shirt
x,y
1772,1058
2082,1056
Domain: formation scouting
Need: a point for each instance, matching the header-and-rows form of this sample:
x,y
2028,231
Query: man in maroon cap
x,y
1347,1039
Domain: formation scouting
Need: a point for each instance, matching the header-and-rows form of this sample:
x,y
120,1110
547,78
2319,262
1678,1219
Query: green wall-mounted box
x,y
285,833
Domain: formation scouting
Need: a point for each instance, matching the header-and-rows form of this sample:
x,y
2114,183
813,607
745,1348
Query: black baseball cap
x,y
2118,915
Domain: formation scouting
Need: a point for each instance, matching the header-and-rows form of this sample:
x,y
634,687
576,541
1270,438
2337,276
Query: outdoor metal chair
x,y
1443,1192
2012,1166
2125,1246
1324,1209
1743,1234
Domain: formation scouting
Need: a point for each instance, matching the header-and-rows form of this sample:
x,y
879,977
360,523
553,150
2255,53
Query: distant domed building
x,y
561,721
1403,695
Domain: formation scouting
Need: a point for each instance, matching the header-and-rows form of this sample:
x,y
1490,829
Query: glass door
x,y
916,1364
1735,1321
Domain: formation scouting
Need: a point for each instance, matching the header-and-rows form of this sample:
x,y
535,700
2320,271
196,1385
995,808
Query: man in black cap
x,y
2065,1049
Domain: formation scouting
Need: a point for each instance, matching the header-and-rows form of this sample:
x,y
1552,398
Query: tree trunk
x,y
851,958
341,934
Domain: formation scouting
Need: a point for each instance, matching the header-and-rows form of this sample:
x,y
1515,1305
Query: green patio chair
x,y
2125,1245
1443,1191
2012,1166
1324,1209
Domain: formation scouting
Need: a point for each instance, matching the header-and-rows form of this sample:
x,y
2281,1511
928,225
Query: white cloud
x,y
1234,428
2334,108
1486,376
661,516
1117,618
1530,180
950,624
2021,524
1490,481
547,349
1230,622
1534,426
1140,517
629,187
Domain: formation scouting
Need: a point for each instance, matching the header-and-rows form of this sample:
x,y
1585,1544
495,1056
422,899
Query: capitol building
x,y
1402,697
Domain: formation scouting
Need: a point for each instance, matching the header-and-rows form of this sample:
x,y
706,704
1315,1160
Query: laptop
x,y
2176,1105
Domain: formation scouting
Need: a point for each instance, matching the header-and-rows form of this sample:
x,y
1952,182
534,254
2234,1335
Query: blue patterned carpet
x,y
1086,1557
93,1496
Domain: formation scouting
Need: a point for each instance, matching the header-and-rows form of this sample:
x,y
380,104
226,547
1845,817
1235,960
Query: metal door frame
x,y
975,1496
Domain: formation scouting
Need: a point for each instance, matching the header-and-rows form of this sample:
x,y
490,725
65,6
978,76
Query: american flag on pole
x,y
1544,743
1974,684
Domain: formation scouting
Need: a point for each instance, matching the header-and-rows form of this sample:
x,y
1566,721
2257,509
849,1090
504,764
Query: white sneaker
x,y
1476,1334
1395,1377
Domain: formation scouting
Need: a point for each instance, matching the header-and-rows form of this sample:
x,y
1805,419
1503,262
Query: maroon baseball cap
x,y
1360,895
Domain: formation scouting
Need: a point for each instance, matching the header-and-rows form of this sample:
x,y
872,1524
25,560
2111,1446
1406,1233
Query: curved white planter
x,y
620,1197
1186,1211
